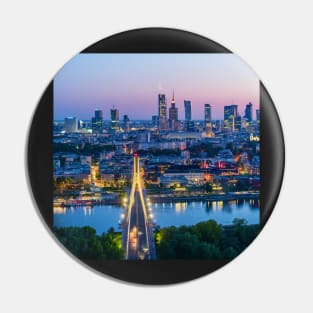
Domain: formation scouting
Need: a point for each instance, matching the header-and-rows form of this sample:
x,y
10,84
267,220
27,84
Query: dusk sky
x,y
132,82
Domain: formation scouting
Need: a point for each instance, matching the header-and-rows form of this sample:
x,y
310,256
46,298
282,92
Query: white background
x,y
275,38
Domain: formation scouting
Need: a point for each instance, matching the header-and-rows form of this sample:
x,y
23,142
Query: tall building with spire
x,y
173,115
162,112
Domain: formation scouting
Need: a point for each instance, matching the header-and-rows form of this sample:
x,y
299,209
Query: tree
x,y
166,251
185,245
208,251
205,240
209,231
86,244
230,253
112,245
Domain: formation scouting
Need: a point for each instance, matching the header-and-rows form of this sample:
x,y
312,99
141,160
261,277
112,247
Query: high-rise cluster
x,y
97,122
232,122
168,120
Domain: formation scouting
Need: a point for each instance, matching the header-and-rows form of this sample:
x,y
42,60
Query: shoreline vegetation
x,y
205,240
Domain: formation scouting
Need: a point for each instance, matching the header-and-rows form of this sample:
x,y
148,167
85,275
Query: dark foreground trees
x,y
205,240
86,244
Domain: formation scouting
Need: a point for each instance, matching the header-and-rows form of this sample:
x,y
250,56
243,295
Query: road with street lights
x,y
138,241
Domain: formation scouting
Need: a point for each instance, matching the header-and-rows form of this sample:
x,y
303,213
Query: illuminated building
x,y
207,120
97,122
230,114
162,107
173,115
237,126
115,117
218,125
80,124
190,126
207,113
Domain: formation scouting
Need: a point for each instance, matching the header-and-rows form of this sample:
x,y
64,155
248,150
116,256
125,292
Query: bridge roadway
x,y
139,235
138,241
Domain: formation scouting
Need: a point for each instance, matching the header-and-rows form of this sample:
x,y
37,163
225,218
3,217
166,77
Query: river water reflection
x,y
165,214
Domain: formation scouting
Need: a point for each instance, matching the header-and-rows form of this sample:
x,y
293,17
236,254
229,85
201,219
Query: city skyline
x,y
80,89
157,155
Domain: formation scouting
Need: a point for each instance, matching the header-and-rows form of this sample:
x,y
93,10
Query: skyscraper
x,y
173,115
155,120
230,114
99,114
97,122
257,115
70,124
258,118
237,126
218,125
208,120
248,112
80,124
207,113
115,119
126,123
187,105
162,108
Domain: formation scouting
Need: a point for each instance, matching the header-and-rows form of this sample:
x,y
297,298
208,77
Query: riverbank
x,y
161,198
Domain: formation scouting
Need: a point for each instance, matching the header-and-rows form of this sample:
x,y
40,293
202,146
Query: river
x,y
165,214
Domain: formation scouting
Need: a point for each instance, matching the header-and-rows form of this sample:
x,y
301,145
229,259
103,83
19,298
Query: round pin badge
x,y
155,156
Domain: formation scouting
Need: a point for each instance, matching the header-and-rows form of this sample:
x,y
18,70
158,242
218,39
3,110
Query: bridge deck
x,y
138,234
138,241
